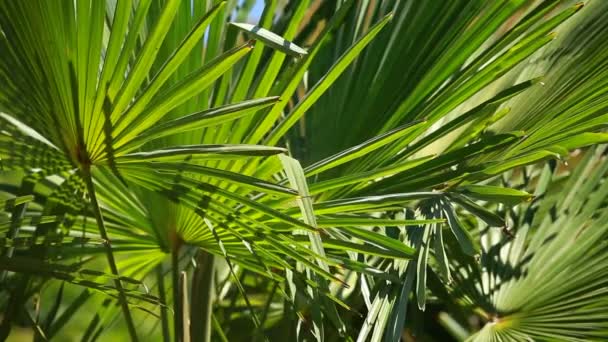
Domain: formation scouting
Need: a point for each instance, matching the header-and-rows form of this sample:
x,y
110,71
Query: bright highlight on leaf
x,y
272,39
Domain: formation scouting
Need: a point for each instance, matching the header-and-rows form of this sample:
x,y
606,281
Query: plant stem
x,y
177,305
260,331
109,254
183,280
163,298
203,291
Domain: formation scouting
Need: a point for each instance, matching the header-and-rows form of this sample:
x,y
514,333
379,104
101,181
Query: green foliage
x,y
353,165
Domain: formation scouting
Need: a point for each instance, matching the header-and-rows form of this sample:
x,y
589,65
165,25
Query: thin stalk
x,y
218,329
109,254
160,277
177,305
260,331
183,279
202,297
